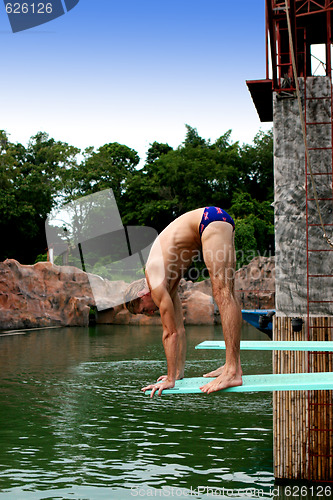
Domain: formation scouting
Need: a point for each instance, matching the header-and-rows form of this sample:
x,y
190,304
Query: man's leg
x,y
219,255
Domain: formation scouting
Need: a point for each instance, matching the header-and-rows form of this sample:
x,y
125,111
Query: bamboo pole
x,y
330,397
316,396
322,408
276,401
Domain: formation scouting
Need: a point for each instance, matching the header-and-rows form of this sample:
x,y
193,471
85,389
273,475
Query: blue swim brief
x,y
212,214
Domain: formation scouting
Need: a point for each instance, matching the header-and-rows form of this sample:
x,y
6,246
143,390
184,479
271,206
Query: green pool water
x,y
75,425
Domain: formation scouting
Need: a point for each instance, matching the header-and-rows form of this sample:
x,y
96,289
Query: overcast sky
x,y
135,72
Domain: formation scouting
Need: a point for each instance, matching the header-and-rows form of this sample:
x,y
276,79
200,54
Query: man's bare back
x,y
176,245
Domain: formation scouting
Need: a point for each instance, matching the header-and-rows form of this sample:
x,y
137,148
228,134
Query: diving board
x,y
259,383
272,345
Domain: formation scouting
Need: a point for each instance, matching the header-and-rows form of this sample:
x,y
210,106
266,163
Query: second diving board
x,y
272,345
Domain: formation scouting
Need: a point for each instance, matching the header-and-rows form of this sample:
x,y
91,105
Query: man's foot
x,y
215,373
223,381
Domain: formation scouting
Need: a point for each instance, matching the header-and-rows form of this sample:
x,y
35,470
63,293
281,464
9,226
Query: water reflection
x,y
75,424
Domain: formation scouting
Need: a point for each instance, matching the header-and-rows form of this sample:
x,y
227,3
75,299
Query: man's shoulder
x,y
155,272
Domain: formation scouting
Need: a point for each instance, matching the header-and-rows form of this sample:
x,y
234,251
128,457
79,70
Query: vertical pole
x,y
293,36
266,31
81,257
328,43
272,38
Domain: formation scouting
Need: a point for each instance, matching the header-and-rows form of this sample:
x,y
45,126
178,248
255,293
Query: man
x,y
211,229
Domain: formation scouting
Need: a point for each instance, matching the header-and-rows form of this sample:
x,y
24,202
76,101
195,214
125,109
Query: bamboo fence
x,y
303,420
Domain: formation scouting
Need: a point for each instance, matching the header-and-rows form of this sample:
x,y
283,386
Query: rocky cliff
x,y
48,295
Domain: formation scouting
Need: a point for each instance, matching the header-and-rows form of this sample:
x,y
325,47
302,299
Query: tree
x,y
156,150
30,181
245,242
193,139
50,161
17,210
257,166
108,167
254,227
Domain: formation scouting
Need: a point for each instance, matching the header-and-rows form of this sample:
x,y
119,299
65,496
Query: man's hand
x,y
159,386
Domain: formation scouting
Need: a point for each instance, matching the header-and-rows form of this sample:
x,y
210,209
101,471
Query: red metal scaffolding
x,y
311,23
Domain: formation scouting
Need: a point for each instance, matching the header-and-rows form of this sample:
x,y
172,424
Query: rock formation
x,y
48,295
42,295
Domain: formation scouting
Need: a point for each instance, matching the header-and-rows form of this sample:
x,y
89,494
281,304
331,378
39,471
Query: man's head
x,y
138,298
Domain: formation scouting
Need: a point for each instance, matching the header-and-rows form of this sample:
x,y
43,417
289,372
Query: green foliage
x,y
156,150
245,241
108,167
257,164
196,174
30,180
254,227
42,257
193,139
49,173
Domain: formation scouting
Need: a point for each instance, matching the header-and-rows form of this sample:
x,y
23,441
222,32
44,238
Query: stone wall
x,y
294,280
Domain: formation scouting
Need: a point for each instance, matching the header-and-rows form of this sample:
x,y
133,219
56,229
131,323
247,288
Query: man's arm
x,y
174,341
182,337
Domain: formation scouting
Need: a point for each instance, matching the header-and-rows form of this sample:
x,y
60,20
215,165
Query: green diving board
x,y
259,383
272,345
